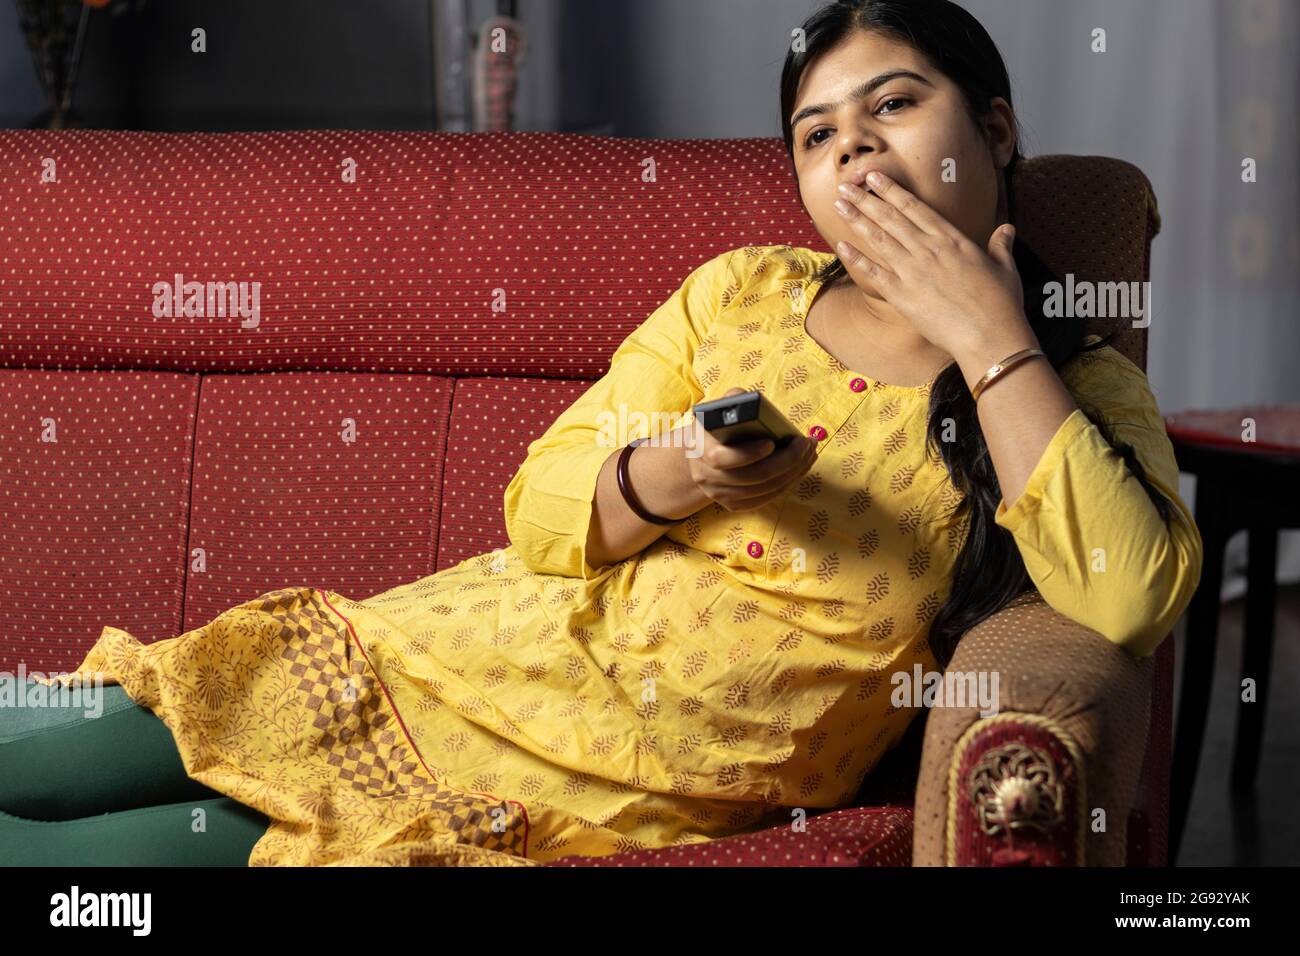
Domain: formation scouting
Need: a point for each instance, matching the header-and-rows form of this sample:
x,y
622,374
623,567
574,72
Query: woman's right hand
x,y
748,475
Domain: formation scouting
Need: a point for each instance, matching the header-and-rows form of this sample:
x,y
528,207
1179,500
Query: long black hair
x,y
989,570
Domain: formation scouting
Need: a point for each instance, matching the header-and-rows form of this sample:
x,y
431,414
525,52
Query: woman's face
x,y
915,130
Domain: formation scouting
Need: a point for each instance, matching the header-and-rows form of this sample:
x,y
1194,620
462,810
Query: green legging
x,y
109,790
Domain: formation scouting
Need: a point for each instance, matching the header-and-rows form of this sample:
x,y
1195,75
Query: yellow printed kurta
x,y
524,705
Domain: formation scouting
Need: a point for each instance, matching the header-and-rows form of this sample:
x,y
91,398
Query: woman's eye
x,y
808,142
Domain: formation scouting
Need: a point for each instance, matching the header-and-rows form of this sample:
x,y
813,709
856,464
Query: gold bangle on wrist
x,y
998,369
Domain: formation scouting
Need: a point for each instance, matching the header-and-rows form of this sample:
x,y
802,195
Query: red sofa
x,y
427,304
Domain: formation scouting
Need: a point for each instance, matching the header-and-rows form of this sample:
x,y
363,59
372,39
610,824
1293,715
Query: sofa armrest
x,y
1023,787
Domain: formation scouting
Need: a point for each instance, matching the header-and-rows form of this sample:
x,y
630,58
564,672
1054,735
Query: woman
x,y
713,644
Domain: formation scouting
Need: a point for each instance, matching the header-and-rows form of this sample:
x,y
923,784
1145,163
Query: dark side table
x,y
1240,484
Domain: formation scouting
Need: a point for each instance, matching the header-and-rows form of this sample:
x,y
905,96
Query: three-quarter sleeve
x,y
548,502
1091,538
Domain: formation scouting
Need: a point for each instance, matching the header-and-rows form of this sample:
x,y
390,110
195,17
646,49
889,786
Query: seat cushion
x,y
856,836
493,421
94,468
313,478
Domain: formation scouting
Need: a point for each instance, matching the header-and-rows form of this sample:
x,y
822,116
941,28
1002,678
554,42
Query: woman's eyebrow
x,y
861,93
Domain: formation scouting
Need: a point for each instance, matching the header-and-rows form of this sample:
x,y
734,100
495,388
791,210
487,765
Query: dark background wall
x,y
294,64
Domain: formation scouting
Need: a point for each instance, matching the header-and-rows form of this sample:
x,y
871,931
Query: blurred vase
x,y
55,31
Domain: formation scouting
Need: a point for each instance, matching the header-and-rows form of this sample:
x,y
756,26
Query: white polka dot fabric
x,y
306,477
94,508
491,425
859,836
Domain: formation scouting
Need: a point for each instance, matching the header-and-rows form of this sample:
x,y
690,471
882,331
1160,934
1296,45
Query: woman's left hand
x,y
955,294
